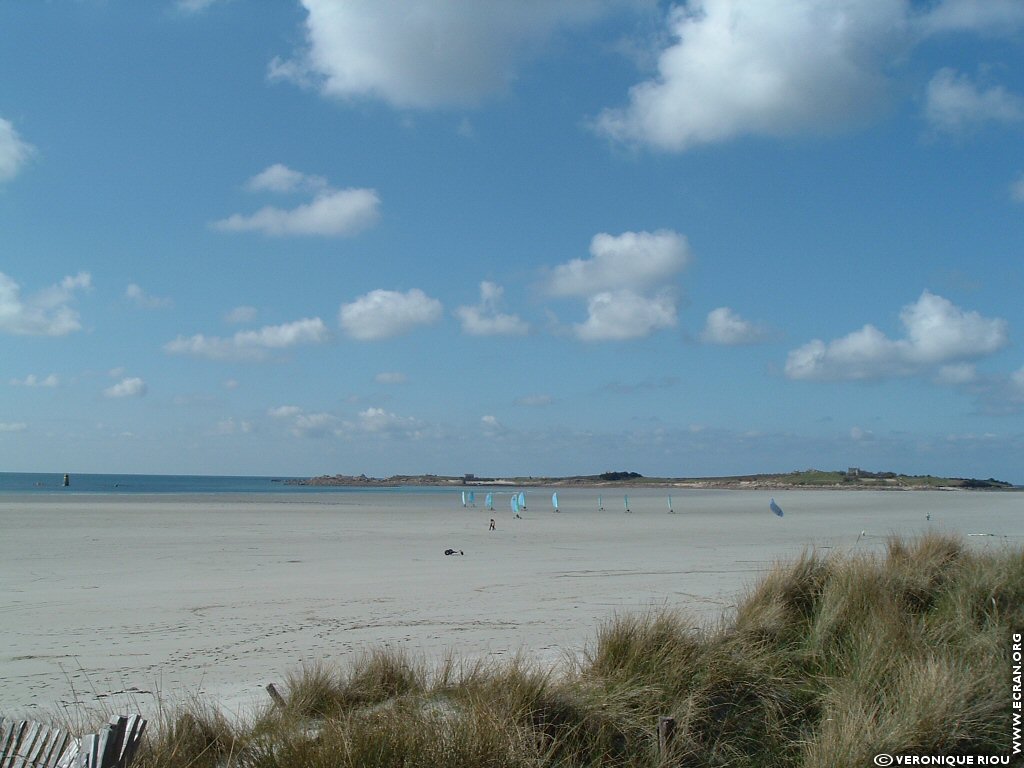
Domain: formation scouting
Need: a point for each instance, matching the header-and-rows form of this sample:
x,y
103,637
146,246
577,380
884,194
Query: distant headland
x,y
849,479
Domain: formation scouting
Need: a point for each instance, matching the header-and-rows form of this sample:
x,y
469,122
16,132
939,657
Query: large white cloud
x,y
425,53
937,333
724,326
623,315
14,152
47,313
485,319
771,67
633,260
955,103
331,212
252,345
381,314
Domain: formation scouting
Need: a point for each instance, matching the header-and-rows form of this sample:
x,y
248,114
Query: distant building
x,y
853,472
469,477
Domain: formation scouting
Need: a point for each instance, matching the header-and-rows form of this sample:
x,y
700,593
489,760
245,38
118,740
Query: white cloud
x,y
772,67
390,377
130,387
193,7
425,53
14,152
370,421
1017,189
484,319
47,313
34,381
17,426
622,315
241,315
1017,384
957,374
284,411
142,300
937,333
379,421
632,260
857,434
315,425
281,178
724,326
252,345
229,426
491,424
381,314
333,213
954,103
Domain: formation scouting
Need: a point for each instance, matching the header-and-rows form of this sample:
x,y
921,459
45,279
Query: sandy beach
x,y
116,600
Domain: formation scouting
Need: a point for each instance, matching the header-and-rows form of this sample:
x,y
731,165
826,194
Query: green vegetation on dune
x,y
826,662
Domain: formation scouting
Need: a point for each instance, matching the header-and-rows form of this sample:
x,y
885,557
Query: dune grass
x,y
827,661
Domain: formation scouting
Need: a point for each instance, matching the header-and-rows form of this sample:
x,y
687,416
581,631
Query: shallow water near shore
x,y
118,599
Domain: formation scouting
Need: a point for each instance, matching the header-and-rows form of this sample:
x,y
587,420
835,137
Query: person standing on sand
x,y
492,525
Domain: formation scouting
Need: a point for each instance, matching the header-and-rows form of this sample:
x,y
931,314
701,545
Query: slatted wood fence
x,y
27,744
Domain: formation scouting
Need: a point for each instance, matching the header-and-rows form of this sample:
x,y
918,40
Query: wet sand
x,y
118,600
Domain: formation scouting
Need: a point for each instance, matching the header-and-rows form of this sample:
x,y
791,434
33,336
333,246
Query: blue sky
x,y
542,237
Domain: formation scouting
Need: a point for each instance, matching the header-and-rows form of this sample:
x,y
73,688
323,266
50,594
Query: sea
x,y
48,482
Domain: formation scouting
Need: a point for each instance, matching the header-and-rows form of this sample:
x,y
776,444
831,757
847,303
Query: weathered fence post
x,y
666,730
276,696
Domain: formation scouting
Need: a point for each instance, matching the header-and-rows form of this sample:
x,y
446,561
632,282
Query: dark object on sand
x,y
454,552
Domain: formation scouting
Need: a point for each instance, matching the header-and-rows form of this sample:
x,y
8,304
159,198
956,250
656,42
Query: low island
x,y
852,478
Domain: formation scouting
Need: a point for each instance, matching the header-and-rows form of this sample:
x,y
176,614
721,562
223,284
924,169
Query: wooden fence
x,y
27,744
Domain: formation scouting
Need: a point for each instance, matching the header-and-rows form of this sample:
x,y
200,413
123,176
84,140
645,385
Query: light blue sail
x,y
463,498
670,509
626,502
522,500
775,507
490,501
515,503
600,504
472,498
554,500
